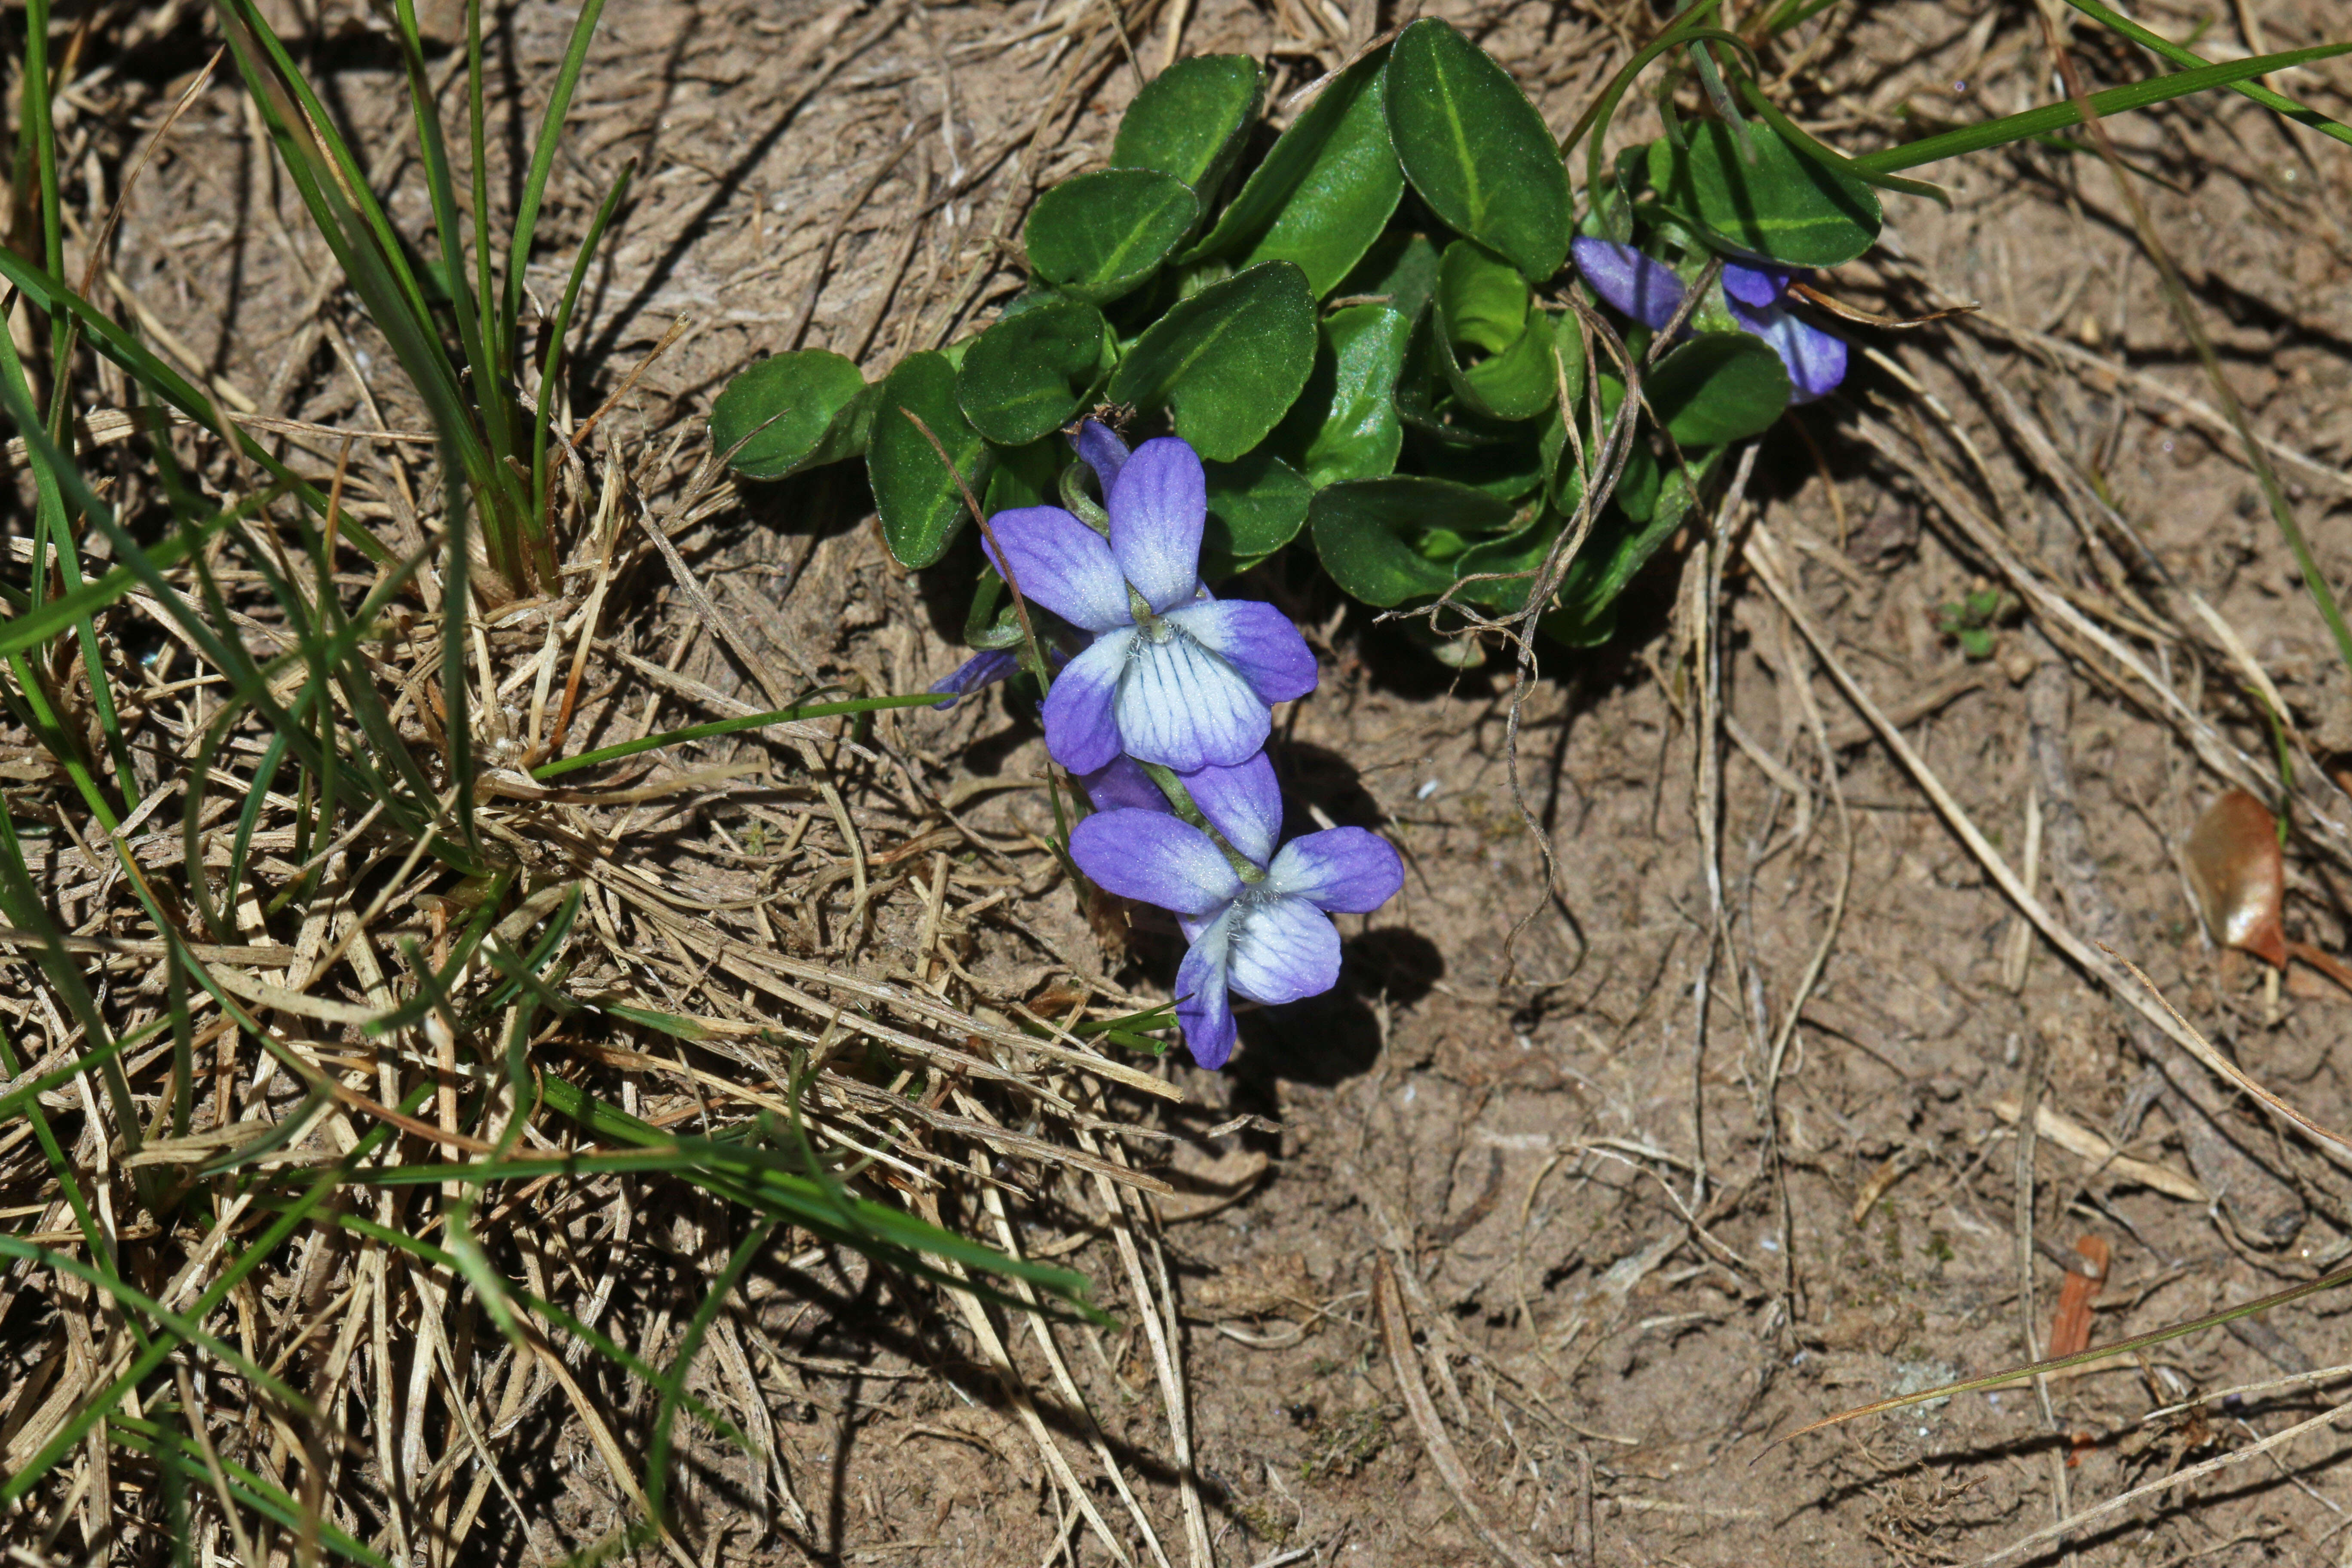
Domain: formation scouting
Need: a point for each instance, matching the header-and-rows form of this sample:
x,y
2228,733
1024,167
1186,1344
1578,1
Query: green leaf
x,y
1366,531
1717,387
1484,309
1105,234
1401,269
1027,376
1787,206
1189,121
795,411
921,505
1326,189
1256,506
1229,360
1345,424
1025,476
1519,552
1507,470
1476,149
1620,547
1425,400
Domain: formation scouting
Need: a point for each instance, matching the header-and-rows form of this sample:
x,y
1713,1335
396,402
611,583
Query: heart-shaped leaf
x,y
1105,234
1256,507
1026,376
1325,191
1368,532
792,412
1345,424
1476,149
1191,120
1494,350
1786,206
921,504
1719,388
1229,360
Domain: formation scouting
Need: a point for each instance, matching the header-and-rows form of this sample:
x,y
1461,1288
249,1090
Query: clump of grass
x,y
361,1000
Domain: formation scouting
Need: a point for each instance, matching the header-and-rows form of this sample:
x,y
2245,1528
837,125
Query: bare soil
x,y
1629,1255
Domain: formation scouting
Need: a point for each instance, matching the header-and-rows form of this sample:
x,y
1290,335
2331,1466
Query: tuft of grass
x,y
333,1017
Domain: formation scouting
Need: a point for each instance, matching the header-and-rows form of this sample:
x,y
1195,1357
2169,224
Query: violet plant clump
x,y
1163,718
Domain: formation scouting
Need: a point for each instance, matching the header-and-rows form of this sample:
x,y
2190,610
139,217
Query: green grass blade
x,y
729,727
1796,135
167,383
2279,103
179,1456
542,166
2114,100
673,1382
290,1218
542,495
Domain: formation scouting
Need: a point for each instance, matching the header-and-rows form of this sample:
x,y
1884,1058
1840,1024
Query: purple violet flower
x,y
1637,285
1647,289
984,669
1271,939
1171,677
1758,297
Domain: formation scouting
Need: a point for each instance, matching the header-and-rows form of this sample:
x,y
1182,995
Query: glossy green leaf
x,y
1369,533
1508,471
1476,149
1400,268
1787,206
1026,376
1256,506
1494,349
1326,189
1345,424
921,504
1717,387
792,412
1425,399
1105,234
1229,360
1191,120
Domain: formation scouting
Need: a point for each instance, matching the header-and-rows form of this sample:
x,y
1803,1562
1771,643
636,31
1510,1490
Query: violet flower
x,y
1171,677
1269,938
1647,289
983,669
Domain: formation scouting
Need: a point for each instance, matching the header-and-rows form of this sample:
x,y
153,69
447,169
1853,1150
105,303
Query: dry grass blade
x,y
1396,1333
1765,557
2178,1479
